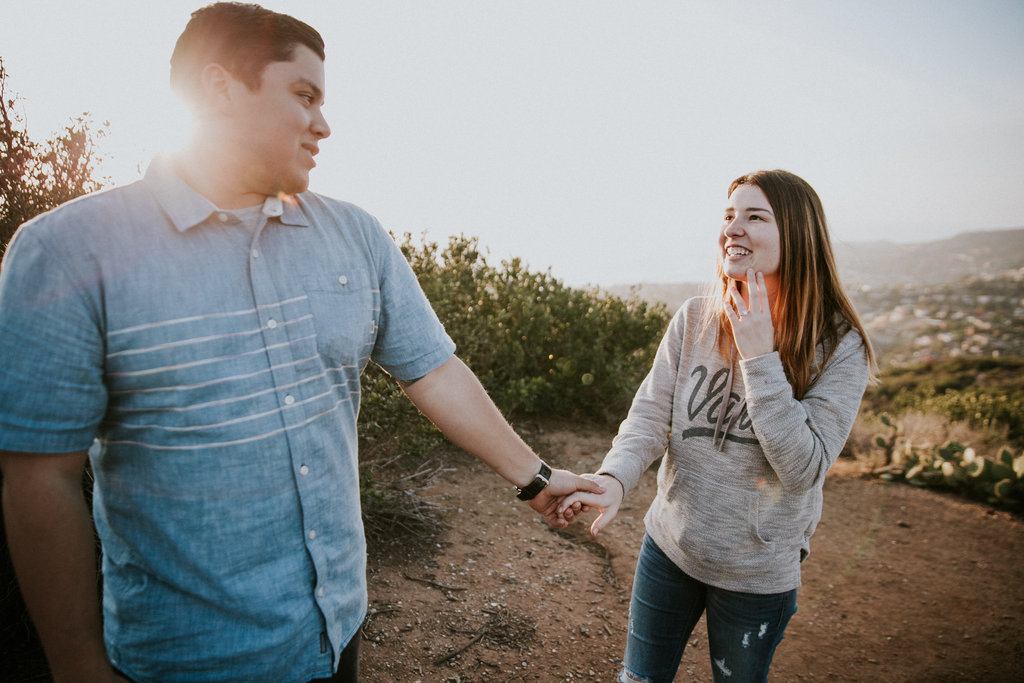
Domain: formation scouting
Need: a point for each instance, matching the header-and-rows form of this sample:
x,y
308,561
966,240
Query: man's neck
x,y
211,172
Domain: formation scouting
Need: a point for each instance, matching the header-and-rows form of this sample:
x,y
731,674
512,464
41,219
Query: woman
x,y
752,395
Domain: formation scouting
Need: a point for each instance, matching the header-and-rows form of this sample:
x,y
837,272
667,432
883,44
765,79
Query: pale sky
x,y
592,137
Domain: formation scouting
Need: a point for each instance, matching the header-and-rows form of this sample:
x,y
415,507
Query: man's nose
x,y
320,127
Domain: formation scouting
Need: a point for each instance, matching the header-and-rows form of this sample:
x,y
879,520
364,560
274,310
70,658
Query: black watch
x,y
540,480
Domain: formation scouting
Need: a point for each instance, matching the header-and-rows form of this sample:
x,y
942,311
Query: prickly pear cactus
x,y
997,479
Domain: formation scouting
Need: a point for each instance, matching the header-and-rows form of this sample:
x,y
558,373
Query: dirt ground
x,y
902,584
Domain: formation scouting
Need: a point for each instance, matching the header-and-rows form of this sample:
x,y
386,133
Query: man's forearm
x,y
454,400
50,535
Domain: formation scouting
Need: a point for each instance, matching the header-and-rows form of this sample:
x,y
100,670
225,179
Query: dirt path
x,y
902,584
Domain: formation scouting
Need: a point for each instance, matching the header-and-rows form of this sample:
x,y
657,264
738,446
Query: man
x,y
207,325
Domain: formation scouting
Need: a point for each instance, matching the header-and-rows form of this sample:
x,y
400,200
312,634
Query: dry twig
x,y
394,506
434,584
504,628
370,614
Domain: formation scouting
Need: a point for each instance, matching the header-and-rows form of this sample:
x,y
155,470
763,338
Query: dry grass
x,y
396,509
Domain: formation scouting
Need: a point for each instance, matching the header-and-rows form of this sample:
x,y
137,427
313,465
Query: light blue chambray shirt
x,y
217,362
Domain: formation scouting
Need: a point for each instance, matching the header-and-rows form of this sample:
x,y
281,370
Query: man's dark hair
x,y
243,38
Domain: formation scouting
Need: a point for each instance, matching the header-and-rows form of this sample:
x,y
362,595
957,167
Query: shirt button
x,y
271,323
320,592
303,470
223,217
289,399
312,534
255,253
342,280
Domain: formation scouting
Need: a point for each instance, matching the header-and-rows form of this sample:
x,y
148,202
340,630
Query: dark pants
x,y
348,665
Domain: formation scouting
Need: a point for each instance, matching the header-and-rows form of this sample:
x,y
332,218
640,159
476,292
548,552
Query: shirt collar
x,y
186,208
293,214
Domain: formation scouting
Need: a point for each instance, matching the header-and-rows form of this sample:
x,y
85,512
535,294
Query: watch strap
x,y
540,480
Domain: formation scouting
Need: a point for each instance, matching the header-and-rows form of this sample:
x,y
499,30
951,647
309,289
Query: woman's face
x,y
750,237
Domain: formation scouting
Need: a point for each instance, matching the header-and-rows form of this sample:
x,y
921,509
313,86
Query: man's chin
x,y
294,184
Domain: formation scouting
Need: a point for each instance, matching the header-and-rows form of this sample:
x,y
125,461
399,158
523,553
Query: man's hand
x,y
607,501
563,482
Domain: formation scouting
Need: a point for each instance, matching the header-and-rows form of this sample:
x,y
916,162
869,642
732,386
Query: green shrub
x,y
997,375
538,346
980,409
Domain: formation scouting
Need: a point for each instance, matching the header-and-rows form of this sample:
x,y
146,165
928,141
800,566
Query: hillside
x,y
953,297
962,257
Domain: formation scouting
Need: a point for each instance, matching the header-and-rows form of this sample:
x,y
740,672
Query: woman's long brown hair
x,y
811,308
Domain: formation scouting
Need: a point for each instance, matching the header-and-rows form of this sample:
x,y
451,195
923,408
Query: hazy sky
x,y
593,137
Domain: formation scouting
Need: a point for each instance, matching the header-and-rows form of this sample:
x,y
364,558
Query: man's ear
x,y
215,83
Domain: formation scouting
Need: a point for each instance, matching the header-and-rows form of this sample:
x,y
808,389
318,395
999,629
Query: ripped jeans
x,y
743,628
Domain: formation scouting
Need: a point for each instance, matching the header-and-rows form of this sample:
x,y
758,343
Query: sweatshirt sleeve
x,y
643,435
802,439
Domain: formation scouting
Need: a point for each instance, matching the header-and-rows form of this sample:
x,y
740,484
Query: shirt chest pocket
x,y
346,306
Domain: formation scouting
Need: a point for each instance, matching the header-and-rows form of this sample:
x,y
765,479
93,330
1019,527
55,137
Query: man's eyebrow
x,y
317,92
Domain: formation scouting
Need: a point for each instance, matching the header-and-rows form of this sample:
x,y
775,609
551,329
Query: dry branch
x,y
504,628
434,584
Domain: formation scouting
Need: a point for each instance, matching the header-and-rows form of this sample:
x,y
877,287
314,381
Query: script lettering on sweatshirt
x,y
707,398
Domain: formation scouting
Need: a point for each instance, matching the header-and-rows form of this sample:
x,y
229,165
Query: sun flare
x,y
139,131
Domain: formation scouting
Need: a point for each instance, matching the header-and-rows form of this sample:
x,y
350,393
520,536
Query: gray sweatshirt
x,y
739,494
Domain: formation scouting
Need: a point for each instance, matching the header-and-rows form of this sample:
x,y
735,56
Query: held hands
x,y
607,501
563,482
752,328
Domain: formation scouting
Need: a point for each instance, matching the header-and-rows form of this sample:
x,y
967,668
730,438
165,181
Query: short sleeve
x,y
411,341
52,396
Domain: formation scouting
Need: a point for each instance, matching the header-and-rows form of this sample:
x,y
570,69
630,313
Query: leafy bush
x,y
538,346
36,176
979,409
953,374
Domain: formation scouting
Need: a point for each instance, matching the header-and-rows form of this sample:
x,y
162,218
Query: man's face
x,y
279,126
